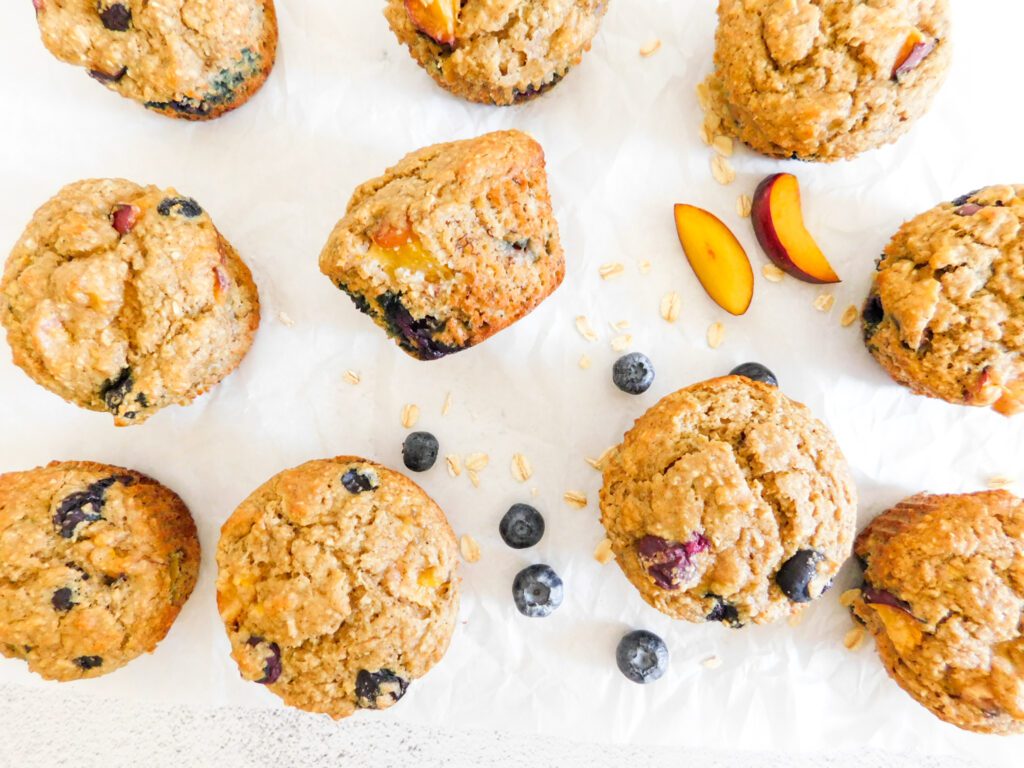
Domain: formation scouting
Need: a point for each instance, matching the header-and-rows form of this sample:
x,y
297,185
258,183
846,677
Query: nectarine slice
x,y
914,51
397,248
435,18
717,258
779,226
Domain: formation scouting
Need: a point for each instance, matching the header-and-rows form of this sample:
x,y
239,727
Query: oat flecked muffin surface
x,y
450,246
126,299
943,596
337,585
192,59
95,564
496,51
729,502
826,79
945,315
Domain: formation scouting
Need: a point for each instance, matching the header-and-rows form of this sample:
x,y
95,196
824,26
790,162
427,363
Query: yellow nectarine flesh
x,y
435,18
903,629
395,248
717,258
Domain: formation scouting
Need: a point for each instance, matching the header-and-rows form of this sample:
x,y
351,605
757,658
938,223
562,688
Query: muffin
x,y
945,315
943,596
126,299
729,502
192,59
337,585
828,79
496,51
450,246
95,564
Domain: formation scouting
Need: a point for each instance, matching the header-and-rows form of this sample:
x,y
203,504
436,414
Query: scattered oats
x,y
772,273
535,492
703,96
585,328
795,620
712,122
849,316
849,597
285,318
716,335
650,48
454,465
722,145
600,461
621,325
410,415
477,462
744,204
1000,482
575,499
474,477
645,266
824,302
469,548
610,270
670,305
603,553
854,639
722,170
521,469
352,377
447,404
706,135
711,662
584,362
621,343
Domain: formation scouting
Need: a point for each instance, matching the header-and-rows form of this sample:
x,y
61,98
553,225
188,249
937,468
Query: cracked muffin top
x,y
95,564
945,316
193,59
729,502
337,585
450,246
943,596
496,51
826,79
126,299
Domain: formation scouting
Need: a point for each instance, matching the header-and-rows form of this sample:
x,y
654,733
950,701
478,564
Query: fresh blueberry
x,y
62,599
522,526
116,17
371,686
419,451
633,373
84,506
537,591
272,664
642,656
795,576
724,612
186,206
89,662
356,482
755,372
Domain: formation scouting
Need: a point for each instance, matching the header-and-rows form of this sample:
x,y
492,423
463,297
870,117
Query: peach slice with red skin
x,y
717,258
435,18
779,226
914,51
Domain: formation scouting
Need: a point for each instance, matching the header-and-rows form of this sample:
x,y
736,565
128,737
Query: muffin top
x,y
126,299
337,585
727,501
945,315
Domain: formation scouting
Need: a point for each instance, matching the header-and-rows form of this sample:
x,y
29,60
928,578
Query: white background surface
x,y
344,102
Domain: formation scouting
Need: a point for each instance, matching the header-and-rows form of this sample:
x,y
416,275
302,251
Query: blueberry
x,y
642,656
84,506
537,591
114,391
964,199
522,526
272,664
63,599
186,206
724,612
419,451
89,662
633,373
670,563
104,77
872,314
755,372
795,576
116,17
414,336
356,482
372,686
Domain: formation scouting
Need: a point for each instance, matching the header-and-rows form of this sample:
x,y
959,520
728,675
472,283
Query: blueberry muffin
x,y
729,502
945,316
450,246
496,51
193,59
125,299
826,79
95,564
337,585
943,596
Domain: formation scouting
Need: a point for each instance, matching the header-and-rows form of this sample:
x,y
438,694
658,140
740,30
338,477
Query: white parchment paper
x,y
621,135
